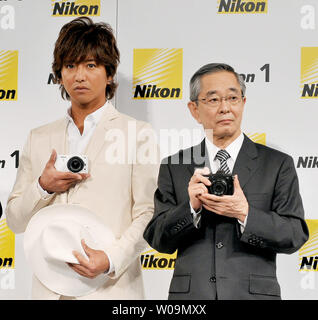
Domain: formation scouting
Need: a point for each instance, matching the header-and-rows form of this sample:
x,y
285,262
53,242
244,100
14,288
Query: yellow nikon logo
x,y
258,138
8,75
309,72
75,8
7,242
308,253
157,73
241,6
153,259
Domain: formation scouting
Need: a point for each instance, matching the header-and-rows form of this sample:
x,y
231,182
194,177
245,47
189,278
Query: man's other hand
x,y
98,262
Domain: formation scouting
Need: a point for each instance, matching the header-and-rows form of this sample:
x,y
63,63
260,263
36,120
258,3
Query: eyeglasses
x,y
215,101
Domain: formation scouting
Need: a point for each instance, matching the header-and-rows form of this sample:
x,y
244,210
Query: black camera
x,y
221,184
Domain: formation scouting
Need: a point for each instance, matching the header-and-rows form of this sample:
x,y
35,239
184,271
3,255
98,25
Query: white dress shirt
x,y
233,149
77,143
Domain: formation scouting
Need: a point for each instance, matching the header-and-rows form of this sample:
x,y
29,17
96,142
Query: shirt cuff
x,y
242,224
44,194
111,266
196,215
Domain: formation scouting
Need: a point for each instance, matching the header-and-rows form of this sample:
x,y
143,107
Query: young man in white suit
x,y
121,194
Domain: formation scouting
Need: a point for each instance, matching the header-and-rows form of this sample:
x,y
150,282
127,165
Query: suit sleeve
x,y
130,245
172,223
283,228
25,199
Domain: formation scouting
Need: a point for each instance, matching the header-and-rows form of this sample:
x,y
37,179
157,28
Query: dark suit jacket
x,y
217,261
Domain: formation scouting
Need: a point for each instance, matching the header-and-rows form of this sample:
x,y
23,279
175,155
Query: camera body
x,y
221,184
71,163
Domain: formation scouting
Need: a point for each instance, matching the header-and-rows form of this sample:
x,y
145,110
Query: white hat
x,y
51,236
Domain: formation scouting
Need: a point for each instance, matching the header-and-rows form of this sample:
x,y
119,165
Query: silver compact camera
x,y
71,163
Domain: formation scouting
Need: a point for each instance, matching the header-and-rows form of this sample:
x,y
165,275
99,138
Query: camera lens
x,y
75,164
219,187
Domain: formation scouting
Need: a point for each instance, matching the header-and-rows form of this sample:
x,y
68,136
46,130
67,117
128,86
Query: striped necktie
x,y
222,156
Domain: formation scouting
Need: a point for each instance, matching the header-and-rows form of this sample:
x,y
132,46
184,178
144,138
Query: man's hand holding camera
x,y
235,206
52,180
197,187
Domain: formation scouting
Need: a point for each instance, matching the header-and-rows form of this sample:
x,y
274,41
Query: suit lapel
x,y
98,138
58,138
246,162
58,141
199,157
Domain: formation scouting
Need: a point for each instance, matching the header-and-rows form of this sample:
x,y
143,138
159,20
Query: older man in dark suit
x,y
227,244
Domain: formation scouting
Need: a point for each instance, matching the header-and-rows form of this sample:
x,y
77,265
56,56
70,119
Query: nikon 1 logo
x,y
239,6
155,260
309,72
75,8
8,75
308,253
157,74
7,244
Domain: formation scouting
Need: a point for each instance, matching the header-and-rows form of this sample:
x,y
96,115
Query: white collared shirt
x,y
233,149
77,142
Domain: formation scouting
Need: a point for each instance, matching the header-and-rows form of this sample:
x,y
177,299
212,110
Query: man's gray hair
x,y
195,82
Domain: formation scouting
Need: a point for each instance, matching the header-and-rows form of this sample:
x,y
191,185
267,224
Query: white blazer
x,y
121,194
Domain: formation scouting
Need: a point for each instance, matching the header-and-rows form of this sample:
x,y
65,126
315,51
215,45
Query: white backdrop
x,y
186,33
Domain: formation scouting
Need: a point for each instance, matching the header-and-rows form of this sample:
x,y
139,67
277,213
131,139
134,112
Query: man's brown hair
x,y
82,38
